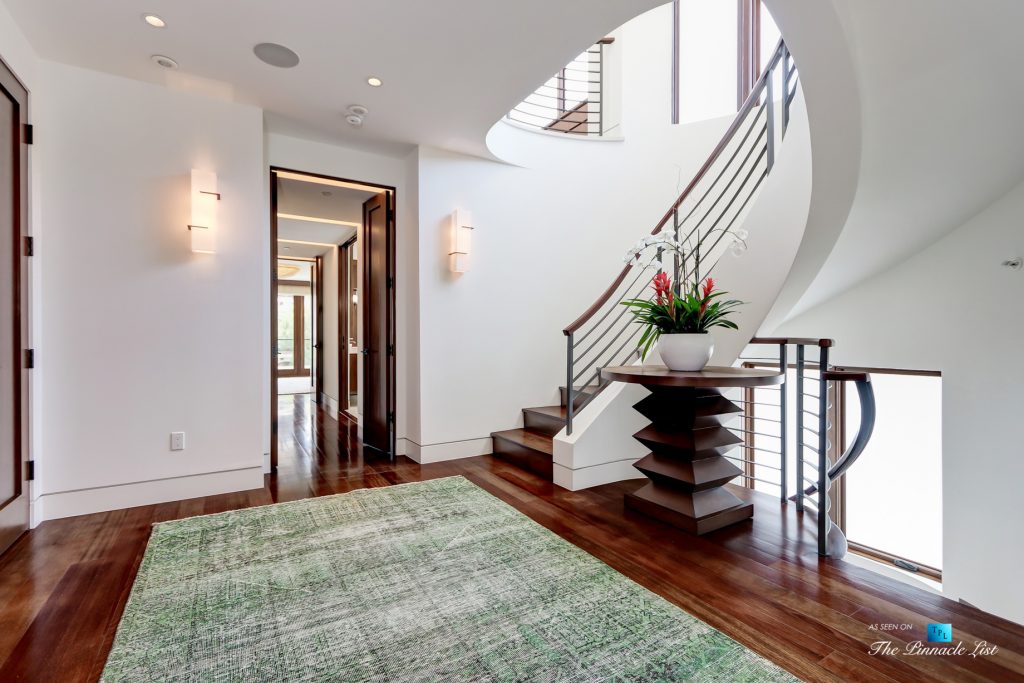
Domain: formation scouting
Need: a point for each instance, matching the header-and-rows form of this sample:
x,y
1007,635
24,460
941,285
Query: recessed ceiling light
x,y
276,55
374,81
164,61
358,110
154,21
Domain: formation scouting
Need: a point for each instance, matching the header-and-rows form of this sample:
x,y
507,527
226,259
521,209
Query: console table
x,y
687,441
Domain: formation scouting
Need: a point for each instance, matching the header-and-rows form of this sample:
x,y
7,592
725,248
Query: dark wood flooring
x,y
63,585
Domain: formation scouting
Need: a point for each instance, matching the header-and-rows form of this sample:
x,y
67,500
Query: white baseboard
x,y
453,450
596,475
106,498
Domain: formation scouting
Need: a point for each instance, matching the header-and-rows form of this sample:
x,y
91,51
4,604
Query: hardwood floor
x,y
63,585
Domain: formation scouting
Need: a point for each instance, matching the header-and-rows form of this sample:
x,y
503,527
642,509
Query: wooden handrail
x,y
796,341
845,376
741,115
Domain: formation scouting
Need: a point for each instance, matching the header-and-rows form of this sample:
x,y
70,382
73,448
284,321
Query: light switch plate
x,y
177,441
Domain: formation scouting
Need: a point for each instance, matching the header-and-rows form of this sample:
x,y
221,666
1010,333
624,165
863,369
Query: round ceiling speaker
x,y
276,55
164,61
354,120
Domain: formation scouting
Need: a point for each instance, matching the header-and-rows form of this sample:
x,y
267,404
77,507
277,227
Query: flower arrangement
x,y
686,304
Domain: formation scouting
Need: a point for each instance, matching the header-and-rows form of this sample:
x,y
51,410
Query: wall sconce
x,y
204,211
462,233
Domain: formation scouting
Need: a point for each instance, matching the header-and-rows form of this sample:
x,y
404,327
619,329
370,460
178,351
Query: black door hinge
x,y
391,417
30,246
391,282
391,349
30,358
29,134
31,470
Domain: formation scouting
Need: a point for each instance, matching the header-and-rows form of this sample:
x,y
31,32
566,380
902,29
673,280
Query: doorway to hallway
x,y
333,301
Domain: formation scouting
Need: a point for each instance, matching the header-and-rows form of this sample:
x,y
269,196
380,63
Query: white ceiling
x,y
315,200
295,197
451,68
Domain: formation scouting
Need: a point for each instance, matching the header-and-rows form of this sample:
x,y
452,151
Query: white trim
x,y
119,496
451,450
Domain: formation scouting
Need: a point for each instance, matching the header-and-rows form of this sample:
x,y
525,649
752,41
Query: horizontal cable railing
x,y
712,206
572,101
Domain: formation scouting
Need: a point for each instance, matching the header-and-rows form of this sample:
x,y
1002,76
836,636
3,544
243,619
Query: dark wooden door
x,y
378,326
14,509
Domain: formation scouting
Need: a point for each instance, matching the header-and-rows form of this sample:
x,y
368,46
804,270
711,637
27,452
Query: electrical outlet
x,y
177,441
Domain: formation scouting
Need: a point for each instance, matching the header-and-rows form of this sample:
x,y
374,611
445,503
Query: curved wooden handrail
x,y
741,115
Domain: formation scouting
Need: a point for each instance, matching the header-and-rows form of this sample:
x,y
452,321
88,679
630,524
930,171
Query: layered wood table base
x,y
685,466
687,440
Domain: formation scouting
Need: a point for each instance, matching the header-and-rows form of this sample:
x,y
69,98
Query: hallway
x,y
64,585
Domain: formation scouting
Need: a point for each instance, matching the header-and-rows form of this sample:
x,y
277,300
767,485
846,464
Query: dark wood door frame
x,y
377,289
14,518
317,369
390,312
344,321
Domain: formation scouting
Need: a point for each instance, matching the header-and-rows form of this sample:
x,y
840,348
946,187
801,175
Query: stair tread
x,y
551,411
529,439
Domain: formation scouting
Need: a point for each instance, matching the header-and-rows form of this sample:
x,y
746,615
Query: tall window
x,y
891,505
722,48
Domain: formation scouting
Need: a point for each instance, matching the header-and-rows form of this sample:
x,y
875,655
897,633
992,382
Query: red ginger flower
x,y
663,288
709,286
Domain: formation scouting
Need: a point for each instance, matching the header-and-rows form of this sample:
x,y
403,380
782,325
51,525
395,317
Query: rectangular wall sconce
x,y
204,211
462,234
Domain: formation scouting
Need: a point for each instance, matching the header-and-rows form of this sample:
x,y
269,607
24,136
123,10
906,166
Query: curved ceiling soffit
x,y
832,95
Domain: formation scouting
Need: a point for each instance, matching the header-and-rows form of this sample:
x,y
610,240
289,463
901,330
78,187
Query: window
x,y
891,499
721,48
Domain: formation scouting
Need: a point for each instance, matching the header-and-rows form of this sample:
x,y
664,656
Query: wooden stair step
x,y
547,420
582,393
526,449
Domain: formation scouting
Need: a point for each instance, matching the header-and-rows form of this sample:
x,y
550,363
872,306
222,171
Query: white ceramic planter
x,y
687,352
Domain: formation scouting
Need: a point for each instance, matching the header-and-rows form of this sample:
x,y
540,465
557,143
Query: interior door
x,y
14,507
378,326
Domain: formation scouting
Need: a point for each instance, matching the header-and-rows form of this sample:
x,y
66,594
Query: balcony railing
x,y
572,101
776,438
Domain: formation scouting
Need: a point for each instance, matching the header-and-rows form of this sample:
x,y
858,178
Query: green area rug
x,y
433,581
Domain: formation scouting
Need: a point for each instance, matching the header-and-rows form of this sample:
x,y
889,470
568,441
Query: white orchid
x,y
686,248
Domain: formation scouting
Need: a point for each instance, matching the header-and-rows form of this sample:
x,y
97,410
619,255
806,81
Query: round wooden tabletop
x,y
659,375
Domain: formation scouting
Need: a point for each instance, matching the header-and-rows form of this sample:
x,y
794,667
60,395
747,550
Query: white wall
x,y
953,308
123,366
317,157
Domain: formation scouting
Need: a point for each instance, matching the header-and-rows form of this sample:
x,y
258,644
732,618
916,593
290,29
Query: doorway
x,y
15,470
333,302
